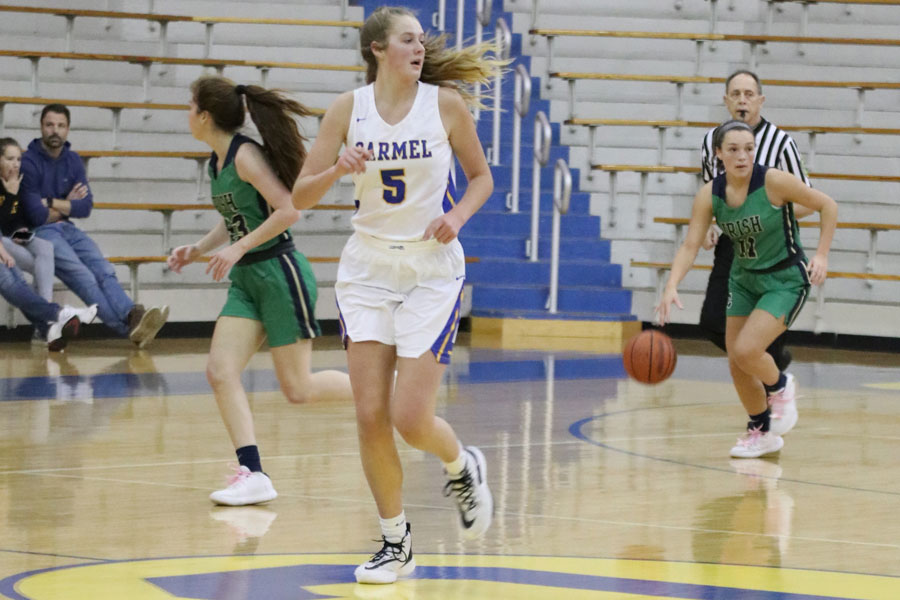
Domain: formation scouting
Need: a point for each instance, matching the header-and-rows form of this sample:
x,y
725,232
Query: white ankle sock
x,y
456,467
394,529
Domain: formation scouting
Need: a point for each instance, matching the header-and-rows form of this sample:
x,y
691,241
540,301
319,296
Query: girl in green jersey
x,y
770,276
273,291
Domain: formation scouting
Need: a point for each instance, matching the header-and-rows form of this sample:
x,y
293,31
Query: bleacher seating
x,y
145,62
823,74
143,159
776,5
681,80
624,123
167,209
645,170
115,107
662,126
873,229
820,292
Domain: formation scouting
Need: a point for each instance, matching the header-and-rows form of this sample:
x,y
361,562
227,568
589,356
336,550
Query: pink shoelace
x,y
752,438
239,474
777,401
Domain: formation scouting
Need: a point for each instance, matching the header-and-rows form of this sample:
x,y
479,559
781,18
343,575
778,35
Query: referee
x,y
774,148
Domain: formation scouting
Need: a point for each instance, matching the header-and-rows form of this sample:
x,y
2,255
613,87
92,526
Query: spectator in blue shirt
x,y
54,190
53,324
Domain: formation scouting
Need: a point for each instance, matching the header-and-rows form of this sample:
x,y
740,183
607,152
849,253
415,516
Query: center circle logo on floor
x,y
299,576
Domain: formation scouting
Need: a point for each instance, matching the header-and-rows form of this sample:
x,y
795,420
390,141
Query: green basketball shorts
x,y
280,292
780,293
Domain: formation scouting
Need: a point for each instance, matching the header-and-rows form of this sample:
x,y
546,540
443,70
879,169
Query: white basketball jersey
x,y
408,183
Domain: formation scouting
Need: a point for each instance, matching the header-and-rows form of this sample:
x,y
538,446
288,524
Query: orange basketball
x,y
649,356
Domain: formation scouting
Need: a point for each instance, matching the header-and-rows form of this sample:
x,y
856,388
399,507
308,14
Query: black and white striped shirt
x,y
774,148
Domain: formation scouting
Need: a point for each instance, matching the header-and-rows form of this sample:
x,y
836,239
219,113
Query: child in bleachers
x,y
33,255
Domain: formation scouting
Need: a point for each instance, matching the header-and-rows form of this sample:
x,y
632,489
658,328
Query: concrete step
x,y
571,272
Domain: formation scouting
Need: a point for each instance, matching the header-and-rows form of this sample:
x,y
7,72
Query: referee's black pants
x,y
712,315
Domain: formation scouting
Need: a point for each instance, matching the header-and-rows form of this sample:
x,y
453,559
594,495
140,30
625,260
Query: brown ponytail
x,y
272,113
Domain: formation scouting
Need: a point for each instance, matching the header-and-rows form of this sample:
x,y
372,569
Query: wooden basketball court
x,y
604,488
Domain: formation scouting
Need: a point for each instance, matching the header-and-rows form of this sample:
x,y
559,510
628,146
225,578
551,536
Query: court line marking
x,y
54,555
204,461
831,433
723,470
575,431
176,463
508,514
59,472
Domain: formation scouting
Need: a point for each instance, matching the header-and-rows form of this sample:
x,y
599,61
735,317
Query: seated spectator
x,y
54,190
32,254
56,324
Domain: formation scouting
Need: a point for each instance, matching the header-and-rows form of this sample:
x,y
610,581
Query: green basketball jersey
x,y
764,235
242,207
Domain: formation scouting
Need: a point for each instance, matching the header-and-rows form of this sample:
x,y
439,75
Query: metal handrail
x,y
523,101
484,8
542,135
503,39
440,17
521,105
562,195
460,15
534,16
562,186
482,19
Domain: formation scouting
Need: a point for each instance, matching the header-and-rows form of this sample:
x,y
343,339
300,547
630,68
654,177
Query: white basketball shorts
x,y
403,294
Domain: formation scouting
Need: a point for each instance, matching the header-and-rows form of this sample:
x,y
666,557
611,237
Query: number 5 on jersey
x,y
394,185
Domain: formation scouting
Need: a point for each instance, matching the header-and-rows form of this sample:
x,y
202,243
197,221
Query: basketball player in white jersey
x,y
401,275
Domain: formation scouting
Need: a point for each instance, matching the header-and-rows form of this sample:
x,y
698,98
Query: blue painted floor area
x,y
130,385
291,583
483,366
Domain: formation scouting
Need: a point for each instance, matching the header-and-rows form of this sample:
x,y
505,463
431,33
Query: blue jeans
x,y
17,292
83,269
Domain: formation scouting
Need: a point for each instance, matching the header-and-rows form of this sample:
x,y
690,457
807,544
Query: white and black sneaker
x,y
472,495
68,323
395,559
